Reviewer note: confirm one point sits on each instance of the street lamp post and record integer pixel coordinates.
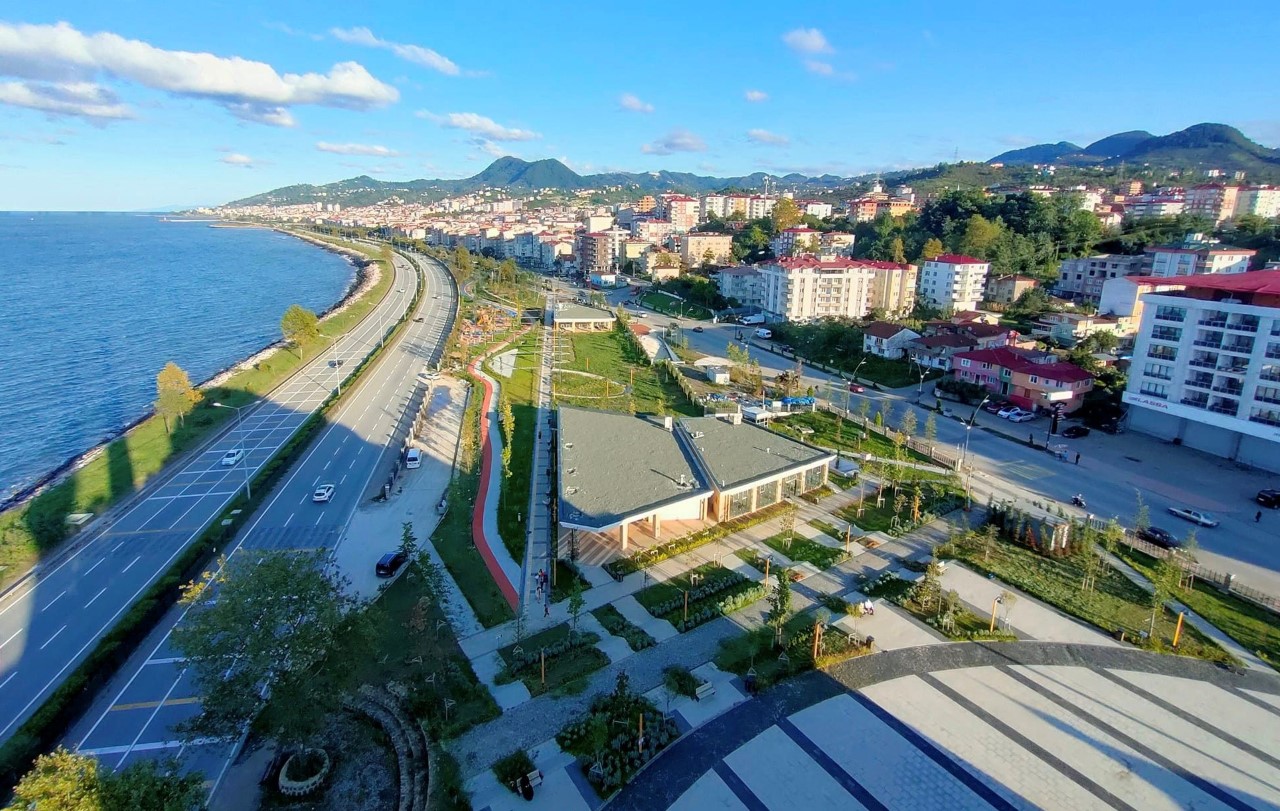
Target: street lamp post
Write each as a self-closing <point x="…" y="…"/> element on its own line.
<point x="337" y="362"/>
<point x="239" y="425"/>
<point x="968" y="429"/>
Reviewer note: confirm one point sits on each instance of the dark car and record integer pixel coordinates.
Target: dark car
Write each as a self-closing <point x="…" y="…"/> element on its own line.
<point x="992" y="408"/>
<point x="697" y="329"/>
<point x="1268" y="498"/>
<point x="1075" y="432"/>
<point x="1159" y="537"/>
<point x="389" y="564"/>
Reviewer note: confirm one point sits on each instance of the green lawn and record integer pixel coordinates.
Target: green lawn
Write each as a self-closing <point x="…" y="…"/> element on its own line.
<point x="1253" y="626"/>
<point x="830" y="530"/>
<point x="833" y="431"/>
<point x="611" y="355"/>
<point x="513" y="507"/>
<point x="127" y="463"/>
<point x="935" y="501"/>
<point x="669" y="305"/>
<point x="1115" y="601"/>
<point x="566" y="667"/>
<point x="452" y="538"/>
<point x="804" y="549"/>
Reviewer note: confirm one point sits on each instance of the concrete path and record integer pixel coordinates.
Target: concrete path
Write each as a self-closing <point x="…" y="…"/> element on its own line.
<point x="537" y="555"/>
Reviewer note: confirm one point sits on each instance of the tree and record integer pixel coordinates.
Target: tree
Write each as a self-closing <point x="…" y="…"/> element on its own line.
<point x="68" y="781"/>
<point x="785" y="214"/>
<point x="576" y="602"/>
<point x="788" y="527"/>
<point x="980" y="234"/>
<point x="408" y="541"/>
<point x="1142" y="514"/>
<point x="931" y="427"/>
<point x="908" y="424"/>
<point x="275" y="616"/>
<point x="932" y="249"/>
<point x="897" y="251"/>
<point x="864" y="410"/>
<point x="779" y="604"/>
<point x="928" y="591"/>
<point x="299" y="326"/>
<point x="175" y="396"/>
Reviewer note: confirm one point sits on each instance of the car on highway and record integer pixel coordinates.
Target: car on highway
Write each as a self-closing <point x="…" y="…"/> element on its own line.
<point x="1159" y="537"/>
<point x="857" y="389"/>
<point x="1022" y="416"/>
<point x="1204" y="519"/>
<point x="993" y="408"/>
<point x="1008" y="411"/>
<point x="1268" y="498"/>
<point x="1075" y="432"/>
<point x="399" y="289"/>
<point x="323" y="494"/>
<point x="389" y="564"/>
<point x="698" y="329"/>
<point x="232" y="456"/>
<point x="437" y="295"/>
<point x="418" y="320"/>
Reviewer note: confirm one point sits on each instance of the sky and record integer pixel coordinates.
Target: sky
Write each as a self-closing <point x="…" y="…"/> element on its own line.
<point x="143" y="105"/>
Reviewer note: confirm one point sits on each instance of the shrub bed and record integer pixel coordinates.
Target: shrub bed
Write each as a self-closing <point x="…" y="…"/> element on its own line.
<point x="511" y="768"/>
<point x="680" y="681"/>
<point x="798" y="548"/>
<point x="618" y="625"/>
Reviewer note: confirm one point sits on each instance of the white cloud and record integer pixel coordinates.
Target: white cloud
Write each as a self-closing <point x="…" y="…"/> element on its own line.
<point x="482" y="126"/>
<point x="250" y="90"/>
<point x="236" y="159"/>
<point x="807" y="40"/>
<point x="631" y="102"/>
<point x="818" y="67"/>
<point x="493" y="150"/>
<point x="86" y="100"/>
<point x="370" y="150"/>
<point x="416" y="54"/>
<point x="766" y="137"/>
<point x="678" y="140"/>
<point x="756" y="95"/>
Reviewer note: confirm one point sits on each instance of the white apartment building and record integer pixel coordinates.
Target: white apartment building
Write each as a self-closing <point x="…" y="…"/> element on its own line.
<point x="758" y="207"/>
<point x="953" y="282"/>
<point x="792" y="241"/>
<point x="1195" y="255"/>
<point x="696" y="245"/>
<point x="1082" y="278"/>
<point x="743" y="284"/>
<point x="683" y="212"/>
<point x="1264" y="201"/>
<point x="714" y="204"/>
<point x="1153" y="205"/>
<point x="807" y="288"/>
<point x="1206" y="366"/>
<point x="815" y="208"/>
<point x="1213" y="201"/>
<point x="893" y="288"/>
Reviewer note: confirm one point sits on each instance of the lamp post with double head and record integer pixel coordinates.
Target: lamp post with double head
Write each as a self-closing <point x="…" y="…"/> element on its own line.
<point x="964" y="457"/>
<point x="239" y="426"/>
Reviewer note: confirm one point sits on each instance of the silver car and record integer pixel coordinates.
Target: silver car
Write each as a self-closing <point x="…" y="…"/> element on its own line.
<point x="1204" y="519"/>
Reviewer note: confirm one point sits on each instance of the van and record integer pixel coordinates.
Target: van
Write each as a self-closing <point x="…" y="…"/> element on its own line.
<point x="413" y="459"/>
<point x="763" y="333"/>
<point x="758" y="318"/>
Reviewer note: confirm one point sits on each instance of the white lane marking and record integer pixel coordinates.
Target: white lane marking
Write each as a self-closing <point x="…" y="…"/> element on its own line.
<point x="10" y="639"/>
<point x="343" y="480"/>
<point x="290" y="518"/>
<point x="55" y="636"/>
<point x="166" y="660"/>
<point x="319" y="518"/>
<point x="117" y="549"/>
<point x="94" y="566"/>
<point x="6" y="681"/>
<point x="96" y="596"/>
<point x="130" y="566"/>
<point x="54" y="600"/>
<point x="326" y="464"/>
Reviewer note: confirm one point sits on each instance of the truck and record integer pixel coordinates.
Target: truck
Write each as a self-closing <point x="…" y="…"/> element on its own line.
<point x="753" y="319"/>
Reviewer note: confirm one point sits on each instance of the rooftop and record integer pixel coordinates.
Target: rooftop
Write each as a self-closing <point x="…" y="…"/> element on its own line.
<point x="1042" y="364"/>
<point x="834" y="264"/>
<point x="958" y="259"/>
<point x="615" y="467"/>
<point x="882" y="329"/>
<point x="1255" y="281"/>
<point x="739" y="454"/>
<point x="580" y="312"/>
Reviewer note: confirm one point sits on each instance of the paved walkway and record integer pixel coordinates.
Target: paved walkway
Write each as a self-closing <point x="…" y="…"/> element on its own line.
<point x="977" y="726"/>
<point x="538" y="539"/>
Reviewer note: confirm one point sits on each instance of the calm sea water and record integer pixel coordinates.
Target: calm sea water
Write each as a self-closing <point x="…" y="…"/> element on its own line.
<point x="93" y="305"/>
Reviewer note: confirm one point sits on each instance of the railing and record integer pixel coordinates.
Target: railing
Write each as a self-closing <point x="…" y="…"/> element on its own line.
<point x="1229" y="410"/>
<point x="1212" y="322"/>
<point x="1264" y="399"/>
<point x="1211" y="344"/>
<point x="1191" y="401"/>
<point x="1244" y="326"/>
<point x="1203" y="364"/>
<point x="1273" y="353"/>
<point x="1177" y="317"/>
<point x="1164" y="396"/>
<point x="1265" y="420"/>
<point x="1232" y="370"/>
<point x="1273" y="377"/>
<point x="1233" y="391"/>
<point x="1200" y="384"/>
<point x="1239" y="349"/>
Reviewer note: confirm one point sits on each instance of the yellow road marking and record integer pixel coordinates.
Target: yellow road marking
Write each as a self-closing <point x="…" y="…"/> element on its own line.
<point x="143" y="705"/>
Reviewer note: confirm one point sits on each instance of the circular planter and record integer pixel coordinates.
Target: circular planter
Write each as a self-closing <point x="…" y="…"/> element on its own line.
<point x="299" y="788"/>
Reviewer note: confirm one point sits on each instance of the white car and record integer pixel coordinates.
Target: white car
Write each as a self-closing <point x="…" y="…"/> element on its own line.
<point x="232" y="456"/>
<point x="1006" y="413"/>
<point x="1022" y="416"/>
<point x="323" y="493"/>
<point x="1204" y="519"/>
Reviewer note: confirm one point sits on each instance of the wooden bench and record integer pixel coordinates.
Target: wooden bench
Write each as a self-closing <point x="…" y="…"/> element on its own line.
<point x="705" y="690"/>
<point x="534" y="777"/>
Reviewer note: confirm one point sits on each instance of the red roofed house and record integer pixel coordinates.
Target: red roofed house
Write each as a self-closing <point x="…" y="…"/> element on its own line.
<point x="886" y="340"/>
<point x="953" y="282"/>
<point x="1027" y="378"/>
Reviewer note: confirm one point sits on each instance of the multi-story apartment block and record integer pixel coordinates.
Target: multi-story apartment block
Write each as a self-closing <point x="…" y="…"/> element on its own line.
<point x="1082" y="278"/>
<point x="737" y="206"/>
<point x="807" y="288"/>
<point x="1154" y="205"/>
<point x="1195" y="255"/>
<point x="758" y="207"/>
<point x="862" y="209"/>
<point x="651" y="230"/>
<point x="683" y="212"/>
<point x="894" y="207"/>
<point x="893" y="287"/>
<point x="1008" y="289"/>
<point x="593" y="253"/>
<point x="1213" y="201"/>
<point x="597" y="222"/>
<point x="953" y="282"/>
<point x="696" y="246"/>
<point x="713" y="206"/>
<point x="815" y="208"/>
<point x="742" y="284"/>
<point x="1206" y="366"/>
<point x="645" y="204"/>
<point x="1262" y="201"/>
<point x="792" y="241"/>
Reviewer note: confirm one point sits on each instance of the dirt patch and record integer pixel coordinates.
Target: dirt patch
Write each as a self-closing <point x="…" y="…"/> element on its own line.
<point x="363" y="777"/>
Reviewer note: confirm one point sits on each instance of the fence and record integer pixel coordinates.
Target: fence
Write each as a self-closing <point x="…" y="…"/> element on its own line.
<point x="1225" y="581"/>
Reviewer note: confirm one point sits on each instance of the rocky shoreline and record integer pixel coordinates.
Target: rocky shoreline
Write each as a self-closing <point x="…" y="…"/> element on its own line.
<point x="367" y="275"/>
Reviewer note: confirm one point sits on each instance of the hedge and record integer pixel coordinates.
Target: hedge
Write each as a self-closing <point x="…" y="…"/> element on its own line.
<point x="659" y="552"/>
<point x="49" y="724"/>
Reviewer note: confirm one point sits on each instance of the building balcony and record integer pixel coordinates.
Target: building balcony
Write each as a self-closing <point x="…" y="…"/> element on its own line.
<point x="1201" y="364"/>
<point x="1261" y="399"/>
<point x="1199" y="383"/>
<point x="1237" y="370"/>
<point x="1266" y="418"/>
<point x="1244" y="326"/>
<point x="1210" y="344"/>
<point x="1175" y="317"/>
<point x="1273" y="377"/>
<point x="1157" y="376"/>
<point x="1162" y="353"/>
<point x="1273" y="353"/>
<point x="1212" y="322"/>
<point x="1195" y="402"/>
<point x="1234" y="391"/>
<point x="1221" y="408"/>
<point x="1238" y="348"/>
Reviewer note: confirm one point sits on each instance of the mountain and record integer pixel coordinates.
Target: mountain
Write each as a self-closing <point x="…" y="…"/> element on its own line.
<point x="1203" y="146"/>
<point x="514" y="173"/>
<point x="1040" y="153"/>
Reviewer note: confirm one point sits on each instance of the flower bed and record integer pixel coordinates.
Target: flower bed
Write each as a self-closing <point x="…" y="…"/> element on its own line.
<point x="659" y="552"/>
<point x="720" y="592"/>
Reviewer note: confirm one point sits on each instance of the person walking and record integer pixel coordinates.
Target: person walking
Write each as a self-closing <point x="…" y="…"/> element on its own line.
<point x="1077" y="458"/>
<point x="1257" y="517"/>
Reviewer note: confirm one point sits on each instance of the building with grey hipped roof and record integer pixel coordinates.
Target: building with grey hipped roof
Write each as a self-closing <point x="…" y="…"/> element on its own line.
<point x="567" y="316"/>
<point x="618" y="469"/>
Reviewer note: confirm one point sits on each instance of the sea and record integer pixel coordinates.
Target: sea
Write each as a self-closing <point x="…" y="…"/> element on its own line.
<point x="92" y="306"/>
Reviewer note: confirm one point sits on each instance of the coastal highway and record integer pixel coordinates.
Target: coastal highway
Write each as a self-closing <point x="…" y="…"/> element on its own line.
<point x="49" y="623"/>
<point x="136" y="715"/>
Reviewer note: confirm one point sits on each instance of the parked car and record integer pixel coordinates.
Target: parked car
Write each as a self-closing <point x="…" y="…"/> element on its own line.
<point x="857" y="389"/>
<point x="389" y="564"/>
<point x="1204" y="519"/>
<point x="697" y="329"/>
<point x="1268" y="498"/>
<point x="232" y="456"/>
<point x="1075" y="432"/>
<point x="1008" y="411"/>
<point x="323" y="493"/>
<point x="1159" y="537"/>
<point x="1022" y="416"/>
<point x="992" y="408"/>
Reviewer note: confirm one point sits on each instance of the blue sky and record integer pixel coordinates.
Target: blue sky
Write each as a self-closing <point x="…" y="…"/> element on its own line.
<point x="136" y="105"/>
